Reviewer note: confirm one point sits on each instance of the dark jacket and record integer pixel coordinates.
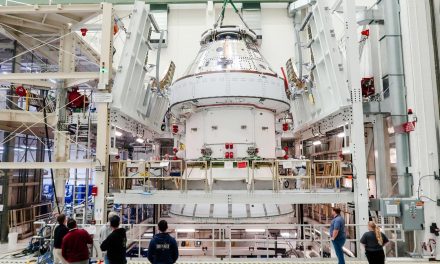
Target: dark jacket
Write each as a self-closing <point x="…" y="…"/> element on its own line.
<point x="116" y="246"/>
<point x="58" y="235"/>
<point x="74" y="246"/>
<point x="163" y="249"/>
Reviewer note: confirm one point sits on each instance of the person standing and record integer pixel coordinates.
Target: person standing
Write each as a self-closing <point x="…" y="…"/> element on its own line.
<point x="74" y="246"/>
<point x="163" y="248"/>
<point x="116" y="243"/>
<point x="60" y="231"/>
<point x="104" y="232"/>
<point x="337" y="234"/>
<point x="374" y="241"/>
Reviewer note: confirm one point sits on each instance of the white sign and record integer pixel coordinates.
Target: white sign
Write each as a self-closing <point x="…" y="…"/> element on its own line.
<point x="229" y="165"/>
<point x="1" y="207"/>
<point x="102" y="97"/>
<point x="392" y="209"/>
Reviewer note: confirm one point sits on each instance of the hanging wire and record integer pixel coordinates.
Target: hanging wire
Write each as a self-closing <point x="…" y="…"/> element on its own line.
<point x="221" y="16"/>
<point x="38" y="121"/>
<point x="47" y="43"/>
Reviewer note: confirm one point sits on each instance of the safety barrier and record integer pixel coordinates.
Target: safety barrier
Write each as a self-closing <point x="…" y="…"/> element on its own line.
<point x="146" y="175"/>
<point x="213" y="241"/>
<point x="275" y="175"/>
<point x="297" y="172"/>
<point x="327" y="173"/>
<point x="28" y="215"/>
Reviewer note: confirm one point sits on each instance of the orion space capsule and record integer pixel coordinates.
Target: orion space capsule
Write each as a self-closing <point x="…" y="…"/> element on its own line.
<point x="227" y="101"/>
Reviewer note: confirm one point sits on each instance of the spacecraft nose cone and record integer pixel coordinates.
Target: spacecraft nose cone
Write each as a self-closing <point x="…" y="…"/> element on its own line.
<point x="231" y="49"/>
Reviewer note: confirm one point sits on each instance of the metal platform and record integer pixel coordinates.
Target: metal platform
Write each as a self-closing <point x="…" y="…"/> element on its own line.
<point x="233" y="196"/>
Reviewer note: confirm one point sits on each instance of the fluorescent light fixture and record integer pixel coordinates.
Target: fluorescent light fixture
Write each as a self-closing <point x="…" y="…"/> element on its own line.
<point x="341" y="135"/>
<point x="140" y="140"/>
<point x="185" y="230"/>
<point x="255" y="230"/>
<point x="118" y="133"/>
<point x="285" y="234"/>
<point x="147" y="235"/>
<point x="18" y="149"/>
<point x="316" y="143"/>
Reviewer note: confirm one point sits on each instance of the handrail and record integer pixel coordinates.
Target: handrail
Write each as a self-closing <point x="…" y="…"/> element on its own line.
<point x="209" y="235"/>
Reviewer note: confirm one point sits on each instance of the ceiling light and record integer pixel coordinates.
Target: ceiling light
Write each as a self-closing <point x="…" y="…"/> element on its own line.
<point x="346" y="150"/>
<point x="186" y="230"/>
<point x="255" y="230"/>
<point x="341" y="135"/>
<point x="317" y="142"/>
<point x="147" y="235"/>
<point x="118" y="133"/>
<point x="140" y="140"/>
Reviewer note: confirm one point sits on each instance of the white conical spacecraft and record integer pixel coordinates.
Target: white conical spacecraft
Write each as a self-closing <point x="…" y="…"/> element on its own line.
<point x="227" y="102"/>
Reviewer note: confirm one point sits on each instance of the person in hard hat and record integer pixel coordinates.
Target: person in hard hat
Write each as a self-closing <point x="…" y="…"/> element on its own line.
<point x="163" y="248"/>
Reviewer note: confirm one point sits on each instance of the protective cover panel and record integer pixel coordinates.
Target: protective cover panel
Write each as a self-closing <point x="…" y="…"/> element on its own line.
<point x="132" y="93"/>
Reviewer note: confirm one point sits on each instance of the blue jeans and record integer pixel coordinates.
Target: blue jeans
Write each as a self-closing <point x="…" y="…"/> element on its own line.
<point x="338" y="244"/>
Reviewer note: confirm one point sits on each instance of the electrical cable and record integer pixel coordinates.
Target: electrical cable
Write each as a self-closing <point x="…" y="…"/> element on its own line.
<point x="46" y="129"/>
<point x="418" y="188"/>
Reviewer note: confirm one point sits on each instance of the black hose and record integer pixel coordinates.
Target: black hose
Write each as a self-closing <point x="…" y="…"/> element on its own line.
<point x="49" y="151"/>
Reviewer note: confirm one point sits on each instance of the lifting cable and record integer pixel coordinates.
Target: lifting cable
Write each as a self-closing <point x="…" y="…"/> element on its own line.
<point x="49" y="151"/>
<point x="222" y="14"/>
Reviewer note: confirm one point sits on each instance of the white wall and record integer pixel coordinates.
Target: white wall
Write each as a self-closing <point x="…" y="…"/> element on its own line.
<point x="186" y="23"/>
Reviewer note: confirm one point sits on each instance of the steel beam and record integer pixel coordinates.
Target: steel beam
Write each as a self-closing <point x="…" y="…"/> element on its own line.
<point x="103" y="113"/>
<point x="49" y="75"/>
<point x="38" y="7"/>
<point x="63" y="3"/>
<point x="357" y="144"/>
<point x="47" y="165"/>
<point x="28" y="118"/>
<point x="37" y="83"/>
<point x="28" y="24"/>
<point x="231" y="197"/>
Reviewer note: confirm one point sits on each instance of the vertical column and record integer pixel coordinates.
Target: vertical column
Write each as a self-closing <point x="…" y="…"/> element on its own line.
<point x="103" y="113"/>
<point x="61" y="149"/>
<point x="382" y="158"/>
<point x="357" y="121"/>
<point x="397" y="90"/>
<point x="418" y="54"/>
